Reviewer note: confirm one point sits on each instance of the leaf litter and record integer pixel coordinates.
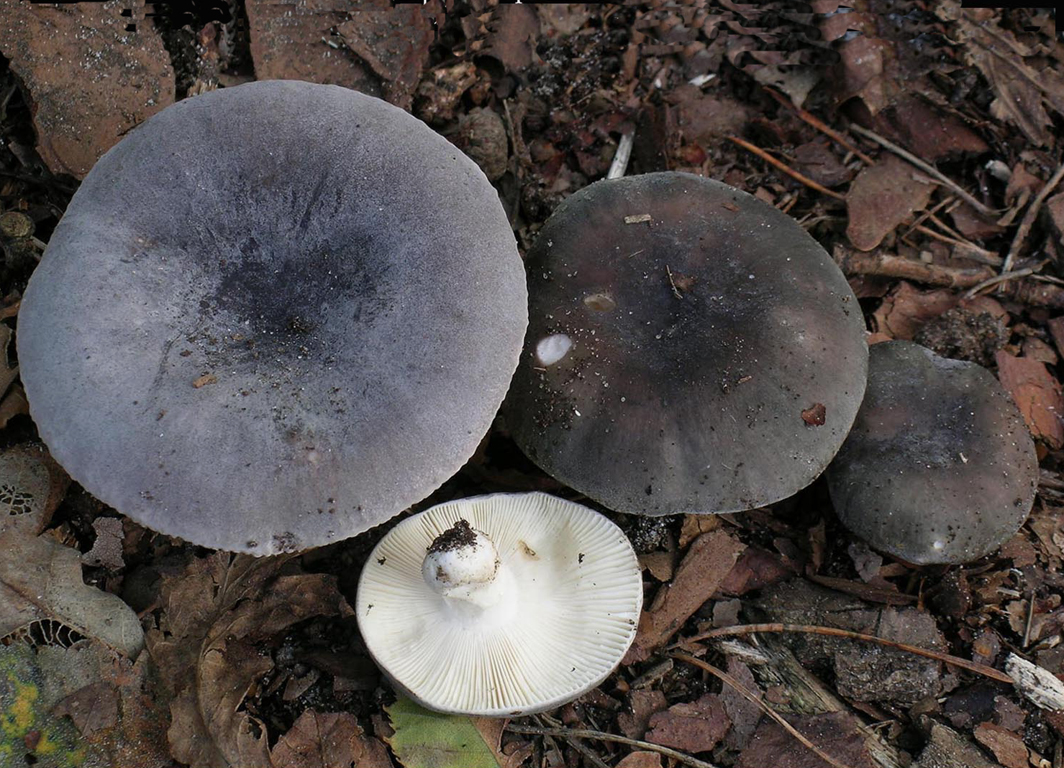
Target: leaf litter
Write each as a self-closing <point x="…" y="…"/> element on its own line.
<point x="964" y="102"/>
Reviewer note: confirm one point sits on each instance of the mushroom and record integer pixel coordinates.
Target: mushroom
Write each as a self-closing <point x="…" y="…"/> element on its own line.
<point x="690" y="349"/>
<point x="273" y="316"/>
<point x="500" y="605"/>
<point x="939" y="467"/>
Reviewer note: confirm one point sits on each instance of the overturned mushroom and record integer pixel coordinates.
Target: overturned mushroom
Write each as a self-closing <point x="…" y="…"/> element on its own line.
<point x="939" y="467"/>
<point x="500" y="605"/>
<point x="690" y="349"/>
<point x="273" y="316"/>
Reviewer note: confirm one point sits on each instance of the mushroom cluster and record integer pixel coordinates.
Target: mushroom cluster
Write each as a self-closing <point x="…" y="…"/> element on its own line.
<point x="500" y="605"/>
<point x="690" y="349"/>
<point x="272" y="317"/>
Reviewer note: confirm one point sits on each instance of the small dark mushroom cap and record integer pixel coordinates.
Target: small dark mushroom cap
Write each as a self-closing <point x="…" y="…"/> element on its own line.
<point x="690" y="349"/>
<point x="273" y="316"/>
<point x="939" y="467"/>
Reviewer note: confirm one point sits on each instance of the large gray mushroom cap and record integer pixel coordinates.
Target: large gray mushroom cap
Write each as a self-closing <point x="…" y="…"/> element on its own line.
<point x="939" y="467"/>
<point x="273" y="316"/>
<point x="690" y="349"/>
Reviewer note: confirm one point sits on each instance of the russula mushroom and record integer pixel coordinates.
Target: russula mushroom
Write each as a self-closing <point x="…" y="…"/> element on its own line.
<point x="273" y="316"/>
<point x="690" y="349"/>
<point x="939" y="467"/>
<point x="500" y="605"/>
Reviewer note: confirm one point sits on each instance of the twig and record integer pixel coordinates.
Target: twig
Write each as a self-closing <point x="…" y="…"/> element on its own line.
<point x="945" y="658"/>
<point x="886" y="265"/>
<point x="575" y="743"/>
<point x="924" y="166"/>
<point x="1030" y="621"/>
<point x="997" y="279"/>
<point x="928" y="213"/>
<point x="675" y="290"/>
<point x="974" y="252"/>
<point x="620" y="158"/>
<point x="583" y="733"/>
<point x="785" y="168"/>
<point x="817" y="123"/>
<point x="738" y="687"/>
<point x="1029" y="217"/>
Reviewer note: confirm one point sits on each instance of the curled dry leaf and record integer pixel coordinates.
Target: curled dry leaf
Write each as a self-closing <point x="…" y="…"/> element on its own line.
<point x="906" y="308"/>
<point x="214" y="616"/>
<point x="41" y="580"/>
<point x="695" y="726"/>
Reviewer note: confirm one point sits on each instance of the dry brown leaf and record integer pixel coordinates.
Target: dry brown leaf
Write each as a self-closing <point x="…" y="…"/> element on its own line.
<point x="835" y="734"/>
<point x="1038" y="395"/>
<point x="88" y="79"/>
<point x="640" y="760"/>
<point x="32" y="485"/>
<point x="331" y="740"/>
<point x="290" y="41"/>
<point x="107" y="548"/>
<point x="697" y="726"/>
<point x="711" y="556"/>
<point x="948" y="749"/>
<point x="882" y="197"/>
<point x="695" y="525"/>
<point x="642" y="705"/>
<point x="393" y="41"/>
<point x="214" y="615"/>
<point x="906" y="308"/>
<point x="14" y="404"/>
<point x="8" y="372"/>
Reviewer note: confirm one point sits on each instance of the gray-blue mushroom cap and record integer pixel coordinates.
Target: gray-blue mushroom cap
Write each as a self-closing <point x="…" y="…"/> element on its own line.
<point x="273" y="316"/>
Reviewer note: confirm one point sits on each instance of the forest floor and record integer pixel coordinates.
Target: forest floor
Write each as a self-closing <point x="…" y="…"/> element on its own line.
<point x="918" y="142"/>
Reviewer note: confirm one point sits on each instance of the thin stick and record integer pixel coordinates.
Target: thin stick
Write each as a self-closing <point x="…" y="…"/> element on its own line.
<point x="945" y="658"/>
<point x="620" y="158"/>
<point x="737" y="686"/>
<point x="974" y="252"/>
<point x="583" y="733"/>
<point x="575" y="743"/>
<point x="785" y="168"/>
<point x="924" y="166"/>
<point x="887" y="265"/>
<point x="1029" y="217"/>
<point x="929" y="212"/>
<point x="817" y="123"/>
<point x="997" y="279"/>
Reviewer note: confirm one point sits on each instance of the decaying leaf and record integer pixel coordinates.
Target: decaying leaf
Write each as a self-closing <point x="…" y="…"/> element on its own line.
<point x="31" y="487"/>
<point x="215" y="614"/>
<point x="393" y="41"/>
<point x="80" y="706"/>
<point x="695" y="726"/>
<point x="835" y="734"/>
<point x="332" y="740"/>
<point x="424" y="739"/>
<point x="882" y="197"/>
<point x="701" y="572"/>
<point x="1038" y="395"/>
<point x="40" y="579"/>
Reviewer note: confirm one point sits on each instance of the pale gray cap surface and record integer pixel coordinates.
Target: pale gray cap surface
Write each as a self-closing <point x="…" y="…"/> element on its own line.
<point x="684" y="341"/>
<point x="939" y="467"/>
<point x="273" y="316"/>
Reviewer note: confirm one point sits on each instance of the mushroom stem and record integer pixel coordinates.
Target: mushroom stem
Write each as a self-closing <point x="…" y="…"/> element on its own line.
<point x="462" y="563"/>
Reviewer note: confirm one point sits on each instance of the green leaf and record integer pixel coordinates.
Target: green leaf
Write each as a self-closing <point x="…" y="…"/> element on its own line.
<point x="425" y="739"/>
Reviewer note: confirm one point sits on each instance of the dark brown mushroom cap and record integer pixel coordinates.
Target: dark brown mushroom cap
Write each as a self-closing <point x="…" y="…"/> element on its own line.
<point x="712" y="356"/>
<point x="273" y="316"/>
<point x="939" y="467"/>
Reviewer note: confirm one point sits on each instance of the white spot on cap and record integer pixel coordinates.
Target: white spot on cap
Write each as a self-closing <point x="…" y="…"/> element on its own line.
<point x="553" y="348"/>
